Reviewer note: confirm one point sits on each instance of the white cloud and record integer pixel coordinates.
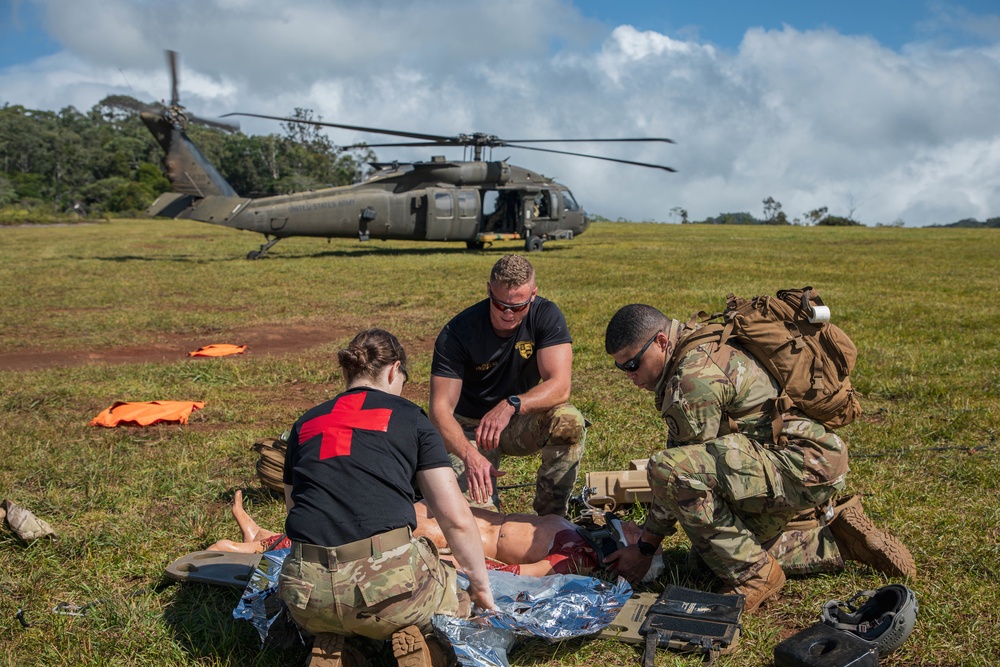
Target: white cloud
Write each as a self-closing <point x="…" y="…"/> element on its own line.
<point x="811" y="118"/>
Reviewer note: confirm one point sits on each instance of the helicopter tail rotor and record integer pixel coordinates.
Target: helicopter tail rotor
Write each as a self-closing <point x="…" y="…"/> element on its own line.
<point x="173" y="112"/>
<point x="172" y="64"/>
<point x="188" y="171"/>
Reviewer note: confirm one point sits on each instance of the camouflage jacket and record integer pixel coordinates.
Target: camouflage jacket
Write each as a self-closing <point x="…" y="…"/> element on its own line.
<point x="705" y="398"/>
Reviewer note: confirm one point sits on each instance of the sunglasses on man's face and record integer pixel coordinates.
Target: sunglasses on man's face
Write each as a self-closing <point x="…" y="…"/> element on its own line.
<point x="632" y="365"/>
<point x="512" y="307"/>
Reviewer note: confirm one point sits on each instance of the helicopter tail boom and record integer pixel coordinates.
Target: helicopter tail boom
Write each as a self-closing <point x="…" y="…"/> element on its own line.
<point x="214" y="208"/>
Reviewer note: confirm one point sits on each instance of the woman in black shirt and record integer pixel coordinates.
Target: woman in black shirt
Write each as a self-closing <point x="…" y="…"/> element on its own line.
<point x="351" y="472"/>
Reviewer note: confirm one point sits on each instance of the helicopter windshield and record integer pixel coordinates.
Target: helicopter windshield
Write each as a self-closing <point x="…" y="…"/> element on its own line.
<point x="569" y="203"/>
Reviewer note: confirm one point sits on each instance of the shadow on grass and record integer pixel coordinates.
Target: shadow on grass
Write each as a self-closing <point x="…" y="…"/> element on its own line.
<point x="158" y="258"/>
<point x="253" y="494"/>
<point x="201" y="618"/>
<point x="359" y="252"/>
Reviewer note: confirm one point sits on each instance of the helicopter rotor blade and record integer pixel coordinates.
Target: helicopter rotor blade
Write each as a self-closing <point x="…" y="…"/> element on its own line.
<point x="126" y="103"/>
<point x="595" y="157"/>
<point x="447" y="141"/>
<point x="569" y="141"/>
<point x="172" y="64"/>
<point x="397" y="145"/>
<point x="226" y="125"/>
<point x="478" y="140"/>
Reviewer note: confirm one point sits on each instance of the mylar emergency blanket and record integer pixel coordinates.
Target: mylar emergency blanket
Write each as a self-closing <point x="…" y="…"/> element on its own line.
<point x="145" y="414"/>
<point x="259" y="603"/>
<point x="219" y="350"/>
<point x="555" y="607"/>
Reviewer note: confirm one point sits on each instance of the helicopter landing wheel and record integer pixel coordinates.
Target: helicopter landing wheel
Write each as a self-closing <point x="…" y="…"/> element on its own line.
<point x="475" y="245"/>
<point x="533" y="244"/>
<point x="257" y="254"/>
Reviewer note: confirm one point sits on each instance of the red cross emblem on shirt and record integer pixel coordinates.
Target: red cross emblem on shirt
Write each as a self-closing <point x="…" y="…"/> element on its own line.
<point x="338" y="426"/>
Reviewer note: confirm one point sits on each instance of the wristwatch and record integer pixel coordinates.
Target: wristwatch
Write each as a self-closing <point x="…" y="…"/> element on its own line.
<point x="516" y="402"/>
<point x="645" y="548"/>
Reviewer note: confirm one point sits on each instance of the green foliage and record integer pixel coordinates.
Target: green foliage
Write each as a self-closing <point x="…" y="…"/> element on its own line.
<point x="731" y="219"/>
<point x="30" y="212"/>
<point x="8" y="193"/>
<point x="838" y="221"/>
<point x="109" y="160"/>
<point x="28" y="185"/>
<point x="972" y="223"/>
<point x="150" y="176"/>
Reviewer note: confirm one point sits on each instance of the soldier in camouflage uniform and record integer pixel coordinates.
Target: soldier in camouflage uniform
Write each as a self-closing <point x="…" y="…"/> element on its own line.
<point x="738" y="496"/>
<point x="349" y="473"/>
<point x="500" y="382"/>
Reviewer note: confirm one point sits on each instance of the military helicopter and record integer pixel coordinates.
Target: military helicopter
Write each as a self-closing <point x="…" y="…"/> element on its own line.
<point x="476" y="202"/>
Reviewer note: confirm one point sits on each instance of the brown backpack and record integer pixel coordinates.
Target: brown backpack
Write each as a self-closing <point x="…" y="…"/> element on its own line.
<point x="271" y="463"/>
<point x="789" y="334"/>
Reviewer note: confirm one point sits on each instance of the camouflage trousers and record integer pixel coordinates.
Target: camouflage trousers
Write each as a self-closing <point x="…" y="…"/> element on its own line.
<point x="736" y="504"/>
<point x="558" y="435"/>
<point x="372" y="597"/>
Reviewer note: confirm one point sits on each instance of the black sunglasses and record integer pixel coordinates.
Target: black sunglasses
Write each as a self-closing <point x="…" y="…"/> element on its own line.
<point x="512" y="307"/>
<point x="632" y="365"/>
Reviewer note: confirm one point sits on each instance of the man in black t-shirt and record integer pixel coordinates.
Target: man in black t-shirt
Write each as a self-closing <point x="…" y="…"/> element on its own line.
<point x="500" y="382"/>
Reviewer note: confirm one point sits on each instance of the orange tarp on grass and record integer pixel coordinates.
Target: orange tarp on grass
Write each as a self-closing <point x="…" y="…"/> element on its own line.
<point x="221" y="350"/>
<point x="144" y="414"/>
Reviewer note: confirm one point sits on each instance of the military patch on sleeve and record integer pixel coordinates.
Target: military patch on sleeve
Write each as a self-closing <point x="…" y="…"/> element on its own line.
<point x="672" y="424"/>
<point x="525" y="347"/>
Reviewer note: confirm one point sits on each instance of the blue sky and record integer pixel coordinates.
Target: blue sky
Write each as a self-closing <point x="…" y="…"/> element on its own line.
<point x="882" y="110"/>
<point x="23" y="36"/>
<point x="893" y="23"/>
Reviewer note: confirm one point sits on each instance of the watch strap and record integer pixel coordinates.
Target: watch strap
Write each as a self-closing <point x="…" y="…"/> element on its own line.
<point x="645" y="548"/>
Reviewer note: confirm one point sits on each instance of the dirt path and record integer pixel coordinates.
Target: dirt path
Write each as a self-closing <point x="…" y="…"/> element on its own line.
<point x="268" y="339"/>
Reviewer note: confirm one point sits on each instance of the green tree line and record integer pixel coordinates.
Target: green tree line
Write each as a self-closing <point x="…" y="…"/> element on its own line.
<point x="105" y="161"/>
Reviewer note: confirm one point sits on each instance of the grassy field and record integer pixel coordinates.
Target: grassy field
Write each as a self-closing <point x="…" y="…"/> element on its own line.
<point x="93" y="314"/>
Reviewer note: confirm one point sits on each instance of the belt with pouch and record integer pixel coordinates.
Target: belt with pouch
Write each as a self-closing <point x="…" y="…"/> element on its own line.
<point x="369" y="547"/>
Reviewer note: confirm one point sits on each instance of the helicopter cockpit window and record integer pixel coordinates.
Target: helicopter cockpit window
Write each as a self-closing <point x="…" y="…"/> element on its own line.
<point x="568" y="201"/>
<point x="491" y="202"/>
<point x="444" y="206"/>
<point x="542" y="204"/>
<point x="467" y="204"/>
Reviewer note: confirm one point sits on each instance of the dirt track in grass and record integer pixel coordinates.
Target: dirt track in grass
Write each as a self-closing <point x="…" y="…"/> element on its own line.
<point x="267" y="339"/>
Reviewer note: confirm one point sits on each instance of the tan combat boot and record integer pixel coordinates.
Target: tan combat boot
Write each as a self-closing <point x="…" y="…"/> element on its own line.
<point x="766" y="584"/>
<point x="412" y="649"/>
<point x="858" y="539"/>
<point x="328" y="651"/>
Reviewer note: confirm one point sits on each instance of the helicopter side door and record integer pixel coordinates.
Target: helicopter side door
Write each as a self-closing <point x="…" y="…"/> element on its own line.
<point x="501" y="212"/>
<point x="542" y="212"/>
<point x="453" y="214"/>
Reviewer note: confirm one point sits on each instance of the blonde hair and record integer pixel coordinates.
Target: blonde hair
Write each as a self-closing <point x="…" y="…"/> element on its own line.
<point x="512" y="271"/>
